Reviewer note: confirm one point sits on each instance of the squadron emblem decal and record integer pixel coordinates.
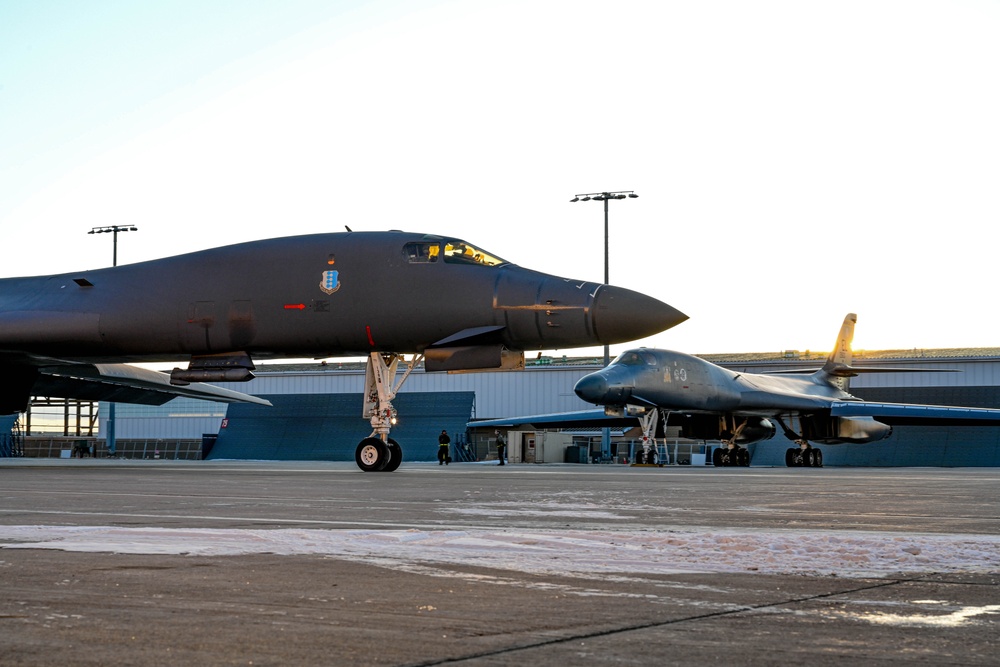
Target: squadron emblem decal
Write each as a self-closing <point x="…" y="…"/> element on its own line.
<point x="331" y="279"/>
<point x="330" y="282"/>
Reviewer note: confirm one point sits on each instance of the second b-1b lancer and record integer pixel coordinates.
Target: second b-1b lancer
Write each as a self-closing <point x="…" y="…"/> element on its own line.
<point x="709" y="402"/>
<point x="382" y="295"/>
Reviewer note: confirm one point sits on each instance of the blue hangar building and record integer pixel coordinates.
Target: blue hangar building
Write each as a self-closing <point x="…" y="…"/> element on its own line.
<point x="316" y="415"/>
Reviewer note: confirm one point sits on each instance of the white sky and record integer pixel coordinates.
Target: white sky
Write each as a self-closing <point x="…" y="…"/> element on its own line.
<point x="795" y="160"/>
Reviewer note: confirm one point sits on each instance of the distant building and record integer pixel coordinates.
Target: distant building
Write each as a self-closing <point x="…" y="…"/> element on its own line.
<point x="316" y="403"/>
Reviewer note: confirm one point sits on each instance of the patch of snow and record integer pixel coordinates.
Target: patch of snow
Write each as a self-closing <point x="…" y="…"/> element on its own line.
<point x="571" y="552"/>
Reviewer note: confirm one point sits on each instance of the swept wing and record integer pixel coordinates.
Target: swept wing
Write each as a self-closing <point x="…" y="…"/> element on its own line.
<point x="120" y="383"/>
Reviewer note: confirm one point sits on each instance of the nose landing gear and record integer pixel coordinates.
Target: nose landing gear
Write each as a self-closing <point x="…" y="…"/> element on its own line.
<point x="374" y="455"/>
<point x="378" y="452"/>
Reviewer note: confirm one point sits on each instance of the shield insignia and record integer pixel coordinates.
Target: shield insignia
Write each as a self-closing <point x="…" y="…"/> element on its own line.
<point x="330" y="282"/>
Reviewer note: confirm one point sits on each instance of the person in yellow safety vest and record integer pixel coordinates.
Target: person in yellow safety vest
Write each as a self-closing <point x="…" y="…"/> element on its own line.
<point x="501" y="445"/>
<point x="444" y="448"/>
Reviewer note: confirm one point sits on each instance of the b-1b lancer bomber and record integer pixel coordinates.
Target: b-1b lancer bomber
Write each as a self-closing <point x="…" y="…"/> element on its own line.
<point x="709" y="402"/>
<point x="383" y="295"/>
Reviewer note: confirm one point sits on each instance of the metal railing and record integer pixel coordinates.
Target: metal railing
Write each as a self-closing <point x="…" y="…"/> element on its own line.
<point x="67" y="447"/>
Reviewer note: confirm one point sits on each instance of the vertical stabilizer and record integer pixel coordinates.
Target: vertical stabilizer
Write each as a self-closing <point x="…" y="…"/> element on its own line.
<point x="837" y="369"/>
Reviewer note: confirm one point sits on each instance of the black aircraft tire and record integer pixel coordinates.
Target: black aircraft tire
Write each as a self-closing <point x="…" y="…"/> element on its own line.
<point x="395" y="456"/>
<point x="790" y="457"/>
<point x="809" y="458"/>
<point x="372" y="455"/>
<point x="743" y="457"/>
<point x="717" y="457"/>
<point x="818" y="458"/>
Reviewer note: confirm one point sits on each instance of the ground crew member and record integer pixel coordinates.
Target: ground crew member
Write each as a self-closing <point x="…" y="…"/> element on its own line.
<point x="444" y="445"/>
<point x="501" y="445"/>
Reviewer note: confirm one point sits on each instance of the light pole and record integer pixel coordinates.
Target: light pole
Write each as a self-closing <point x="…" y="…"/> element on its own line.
<point x="605" y="197"/>
<point x="112" y="229"/>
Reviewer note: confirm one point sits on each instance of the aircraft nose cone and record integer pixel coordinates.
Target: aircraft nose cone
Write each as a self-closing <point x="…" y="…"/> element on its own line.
<point x="621" y="315"/>
<point x="592" y="388"/>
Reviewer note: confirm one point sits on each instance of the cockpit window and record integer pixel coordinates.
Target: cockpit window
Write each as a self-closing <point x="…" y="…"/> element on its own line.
<point x="460" y="252"/>
<point x="455" y="252"/>
<point x="636" y="358"/>
<point x="422" y="253"/>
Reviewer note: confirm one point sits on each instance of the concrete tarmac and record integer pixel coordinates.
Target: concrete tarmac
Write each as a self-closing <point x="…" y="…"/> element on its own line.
<point x="274" y="563"/>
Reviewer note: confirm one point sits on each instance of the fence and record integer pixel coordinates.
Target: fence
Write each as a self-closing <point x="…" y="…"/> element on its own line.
<point x="66" y="447"/>
<point x="669" y="451"/>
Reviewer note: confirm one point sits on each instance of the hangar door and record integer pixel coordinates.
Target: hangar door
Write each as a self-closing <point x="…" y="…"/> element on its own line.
<point x="328" y="427"/>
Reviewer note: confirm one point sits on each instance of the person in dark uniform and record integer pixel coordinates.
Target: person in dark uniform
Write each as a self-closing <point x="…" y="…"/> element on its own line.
<point x="444" y="446"/>
<point x="501" y="446"/>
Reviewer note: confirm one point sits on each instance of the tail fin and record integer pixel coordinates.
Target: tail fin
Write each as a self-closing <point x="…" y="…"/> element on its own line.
<point x="837" y="370"/>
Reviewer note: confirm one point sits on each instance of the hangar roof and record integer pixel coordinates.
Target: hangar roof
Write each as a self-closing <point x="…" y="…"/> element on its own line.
<point x="791" y="356"/>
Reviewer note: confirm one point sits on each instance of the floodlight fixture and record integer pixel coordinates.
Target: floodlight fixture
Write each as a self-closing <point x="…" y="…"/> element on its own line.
<point x="114" y="229"/>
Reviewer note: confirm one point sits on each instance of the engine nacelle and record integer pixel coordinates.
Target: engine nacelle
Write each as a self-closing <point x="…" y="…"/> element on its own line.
<point x="840" y="430"/>
<point x="713" y="427"/>
<point x="467" y="358"/>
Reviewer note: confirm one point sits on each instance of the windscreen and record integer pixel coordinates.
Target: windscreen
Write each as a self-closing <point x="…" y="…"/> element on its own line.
<point x="455" y="252"/>
<point x="636" y="358"/>
<point x="460" y="252"/>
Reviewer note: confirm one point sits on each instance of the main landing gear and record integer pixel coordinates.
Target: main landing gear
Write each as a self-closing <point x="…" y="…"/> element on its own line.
<point x="731" y="454"/>
<point x="378" y="452"/>
<point x="805" y="455"/>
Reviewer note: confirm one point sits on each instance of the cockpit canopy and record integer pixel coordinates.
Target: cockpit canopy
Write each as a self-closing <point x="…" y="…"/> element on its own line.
<point x="640" y="357"/>
<point x="452" y="252"/>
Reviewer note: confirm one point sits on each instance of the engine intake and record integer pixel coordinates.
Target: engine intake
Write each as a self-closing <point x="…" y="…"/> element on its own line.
<point x="712" y="427"/>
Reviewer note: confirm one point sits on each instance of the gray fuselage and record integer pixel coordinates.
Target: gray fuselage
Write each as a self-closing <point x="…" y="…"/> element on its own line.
<point x="316" y="296"/>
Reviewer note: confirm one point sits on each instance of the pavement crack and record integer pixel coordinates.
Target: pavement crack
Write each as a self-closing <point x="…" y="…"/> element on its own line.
<point x="660" y="624"/>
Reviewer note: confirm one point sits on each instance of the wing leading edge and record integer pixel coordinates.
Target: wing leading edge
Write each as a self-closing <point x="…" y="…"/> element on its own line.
<point x="579" y="419"/>
<point x="906" y="414"/>
<point x="122" y="383"/>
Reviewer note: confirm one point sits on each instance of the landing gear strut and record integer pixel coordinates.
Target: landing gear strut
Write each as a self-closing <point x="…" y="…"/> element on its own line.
<point x="648" y="455"/>
<point x="378" y="452"/>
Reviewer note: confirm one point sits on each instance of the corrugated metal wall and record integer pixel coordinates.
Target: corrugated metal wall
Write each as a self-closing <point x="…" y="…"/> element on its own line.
<point x="532" y="391"/>
<point x="501" y="394"/>
<point x="327" y="427"/>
